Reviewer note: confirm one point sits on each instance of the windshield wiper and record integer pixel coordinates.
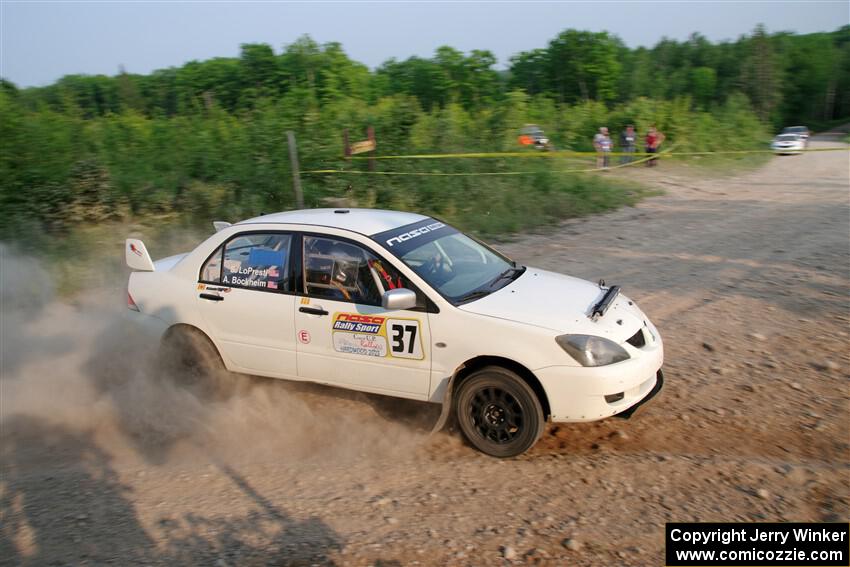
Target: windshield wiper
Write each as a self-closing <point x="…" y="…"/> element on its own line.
<point x="477" y="294"/>
<point x="507" y="273"/>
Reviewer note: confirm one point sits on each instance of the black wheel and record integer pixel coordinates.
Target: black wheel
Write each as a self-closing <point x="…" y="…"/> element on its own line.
<point x="188" y="359"/>
<point x="498" y="412"/>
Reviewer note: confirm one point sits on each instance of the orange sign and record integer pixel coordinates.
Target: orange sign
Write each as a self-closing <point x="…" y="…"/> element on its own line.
<point x="364" y="146"/>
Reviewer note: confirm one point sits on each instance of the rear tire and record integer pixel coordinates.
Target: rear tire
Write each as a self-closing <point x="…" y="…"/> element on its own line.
<point x="189" y="360"/>
<point x="498" y="412"/>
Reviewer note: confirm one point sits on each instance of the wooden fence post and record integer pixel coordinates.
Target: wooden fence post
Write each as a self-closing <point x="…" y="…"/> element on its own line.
<point x="296" y="176"/>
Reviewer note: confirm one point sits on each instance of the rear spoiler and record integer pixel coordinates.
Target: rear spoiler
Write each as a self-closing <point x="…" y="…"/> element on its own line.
<point x="220" y="225"/>
<point x="137" y="256"/>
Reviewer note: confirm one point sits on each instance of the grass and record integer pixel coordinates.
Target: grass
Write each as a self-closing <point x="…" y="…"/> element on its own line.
<point x="495" y="205"/>
<point x="90" y="256"/>
<point x="716" y="166"/>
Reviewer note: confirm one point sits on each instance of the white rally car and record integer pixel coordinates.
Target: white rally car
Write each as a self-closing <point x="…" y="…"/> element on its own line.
<point x="404" y="305"/>
<point x="788" y="144"/>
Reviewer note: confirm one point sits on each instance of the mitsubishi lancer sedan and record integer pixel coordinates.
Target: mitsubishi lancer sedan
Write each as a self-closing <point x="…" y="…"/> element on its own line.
<point x="403" y="305"/>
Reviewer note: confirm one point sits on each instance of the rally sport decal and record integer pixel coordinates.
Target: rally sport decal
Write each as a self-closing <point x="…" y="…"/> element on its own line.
<point x="371" y="335"/>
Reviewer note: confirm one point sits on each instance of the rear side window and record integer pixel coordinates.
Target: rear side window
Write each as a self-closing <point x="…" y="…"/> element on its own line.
<point x="253" y="261"/>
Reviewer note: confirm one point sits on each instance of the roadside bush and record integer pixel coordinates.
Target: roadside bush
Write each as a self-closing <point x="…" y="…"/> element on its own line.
<point x="204" y="161"/>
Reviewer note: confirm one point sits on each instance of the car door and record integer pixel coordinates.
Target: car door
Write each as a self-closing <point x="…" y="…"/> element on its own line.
<point x="344" y="335"/>
<point x="246" y="295"/>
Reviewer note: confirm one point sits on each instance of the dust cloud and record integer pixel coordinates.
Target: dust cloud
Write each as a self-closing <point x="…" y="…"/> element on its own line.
<point x="77" y="364"/>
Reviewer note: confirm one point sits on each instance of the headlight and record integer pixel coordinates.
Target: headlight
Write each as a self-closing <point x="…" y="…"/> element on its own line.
<point x="592" y="351"/>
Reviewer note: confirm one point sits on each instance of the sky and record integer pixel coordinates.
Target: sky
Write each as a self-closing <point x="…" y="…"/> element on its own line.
<point x="40" y="41"/>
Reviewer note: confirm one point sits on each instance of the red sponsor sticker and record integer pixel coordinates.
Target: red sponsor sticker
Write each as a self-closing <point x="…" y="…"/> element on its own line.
<point x="135" y="250"/>
<point x="304" y="336"/>
<point x="356" y="318"/>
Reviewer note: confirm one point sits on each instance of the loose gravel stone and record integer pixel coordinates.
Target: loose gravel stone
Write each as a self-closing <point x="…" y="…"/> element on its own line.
<point x="825" y="366"/>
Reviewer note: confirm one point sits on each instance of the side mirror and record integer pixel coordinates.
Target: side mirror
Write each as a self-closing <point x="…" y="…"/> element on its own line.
<point x="398" y="299"/>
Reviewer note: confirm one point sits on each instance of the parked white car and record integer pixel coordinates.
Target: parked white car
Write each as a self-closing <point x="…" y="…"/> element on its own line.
<point x="404" y="305"/>
<point x="788" y="144"/>
<point x="801" y="131"/>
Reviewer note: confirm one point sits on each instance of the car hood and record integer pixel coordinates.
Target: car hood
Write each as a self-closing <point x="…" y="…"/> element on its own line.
<point x="560" y="303"/>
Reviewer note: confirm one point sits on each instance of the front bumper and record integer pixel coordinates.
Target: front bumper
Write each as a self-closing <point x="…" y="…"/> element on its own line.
<point x="659" y="384"/>
<point x="592" y="393"/>
<point x="787" y="149"/>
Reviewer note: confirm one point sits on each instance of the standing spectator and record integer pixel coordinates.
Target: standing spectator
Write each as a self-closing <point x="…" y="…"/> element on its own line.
<point x="628" y="141"/>
<point x="653" y="141"/>
<point x="602" y="143"/>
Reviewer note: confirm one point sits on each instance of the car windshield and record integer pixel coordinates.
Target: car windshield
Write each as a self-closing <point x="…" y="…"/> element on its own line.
<point x="458" y="267"/>
<point x="788" y="138"/>
<point x="794" y="129"/>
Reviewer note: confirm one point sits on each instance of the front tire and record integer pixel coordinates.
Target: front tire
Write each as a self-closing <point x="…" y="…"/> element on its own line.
<point x="498" y="412"/>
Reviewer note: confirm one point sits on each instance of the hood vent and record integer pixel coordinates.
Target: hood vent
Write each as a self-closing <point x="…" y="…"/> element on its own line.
<point x="637" y="340"/>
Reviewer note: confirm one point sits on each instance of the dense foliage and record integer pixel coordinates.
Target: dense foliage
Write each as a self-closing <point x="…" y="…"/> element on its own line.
<point x="788" y="78"/>
<point x="208" y="137"/>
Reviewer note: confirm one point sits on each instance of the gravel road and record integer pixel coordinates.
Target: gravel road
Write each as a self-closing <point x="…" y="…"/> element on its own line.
<point x="747" y="277"/>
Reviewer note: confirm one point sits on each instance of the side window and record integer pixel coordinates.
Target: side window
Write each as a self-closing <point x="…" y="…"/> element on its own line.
<point x="338" y="270"/>
<point x="256" y="261"/>
<point x="388" y="277"/>
<point x="343" y="271"/>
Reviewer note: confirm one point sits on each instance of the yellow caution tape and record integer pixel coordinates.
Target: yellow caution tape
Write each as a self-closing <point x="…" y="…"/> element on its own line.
<point x="489" y="173"/>
<point x="647" y="156"/>
<point x="566" y="153"/>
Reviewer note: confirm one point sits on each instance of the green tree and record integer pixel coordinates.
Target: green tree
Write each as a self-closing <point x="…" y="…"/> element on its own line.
<point x="761" y="76"/>
<point x="583" y="66"/>
<point x="703" y="85"/>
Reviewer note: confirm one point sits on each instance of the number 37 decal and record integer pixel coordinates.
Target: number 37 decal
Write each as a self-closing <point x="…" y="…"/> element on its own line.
<point x="404" y="338"/>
